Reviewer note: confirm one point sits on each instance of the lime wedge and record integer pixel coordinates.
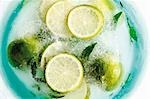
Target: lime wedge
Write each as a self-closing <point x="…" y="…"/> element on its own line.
<point x="64" y="73"/>
<point x="85" y="21"/>
<point x="80" y="93"/>
<point x="56" y="19"/>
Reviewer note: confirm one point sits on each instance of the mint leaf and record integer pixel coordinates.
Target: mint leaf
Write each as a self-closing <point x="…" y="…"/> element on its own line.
<point x="116" y="17"/>
<point x="132" y="31"/>
<point x="87" y="51"/>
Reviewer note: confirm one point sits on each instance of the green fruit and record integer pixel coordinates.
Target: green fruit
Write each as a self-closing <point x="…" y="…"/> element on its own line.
<point x="112" y="73"/>
<point x="18" y="53"/>
<point x="21" y="51"/>
<point x="106" y="70"/>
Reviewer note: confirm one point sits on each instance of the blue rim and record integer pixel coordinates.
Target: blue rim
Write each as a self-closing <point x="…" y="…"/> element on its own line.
<point x="13" y="81"/>
<point x="23" y="92"/>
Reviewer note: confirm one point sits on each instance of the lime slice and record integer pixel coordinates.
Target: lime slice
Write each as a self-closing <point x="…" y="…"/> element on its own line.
<point x="80" y="93"/>
<point x="85" y="21"/>
<point x="45" y="5"/>
<point x="51" y="51"/>
<point x="56" y="19"/>
<point x="64" y="73"/>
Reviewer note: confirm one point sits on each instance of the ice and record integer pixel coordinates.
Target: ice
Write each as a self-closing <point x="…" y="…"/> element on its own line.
<point x="96" y="91"/>
<point x="27" y="22"/>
